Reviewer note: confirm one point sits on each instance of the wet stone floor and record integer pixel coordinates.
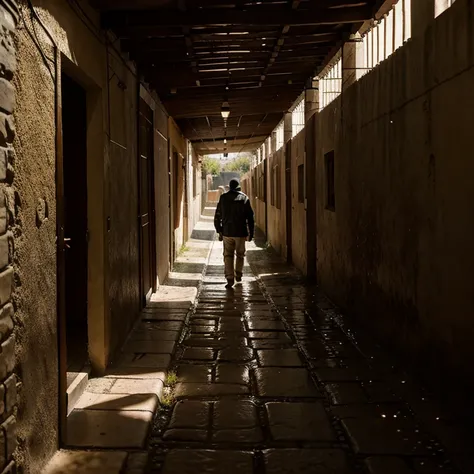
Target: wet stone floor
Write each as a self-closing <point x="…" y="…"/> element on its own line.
<point x="271" y="379"/>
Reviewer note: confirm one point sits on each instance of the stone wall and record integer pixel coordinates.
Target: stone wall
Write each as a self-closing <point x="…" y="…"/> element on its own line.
<point x="10" y="231"/>
<point x="162" y="193"/>
<point x="398" y="251"/>
<point x="276" y="207"/>
<point x="298" y="215"/>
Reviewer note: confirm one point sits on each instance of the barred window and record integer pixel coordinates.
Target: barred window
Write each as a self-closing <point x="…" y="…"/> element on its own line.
<point x="442" y="5"/>
<point x="386" y="36"/>
<point x="297" y="118"/>
<point x="269" y="145"/>
<point x="330" y="83"/>
<point x="280" y="136"/>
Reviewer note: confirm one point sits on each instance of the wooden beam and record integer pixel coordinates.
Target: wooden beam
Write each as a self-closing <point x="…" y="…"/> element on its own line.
<point x="136" y="18"/>
<point x="121" y="5"/>
<point x="230" y="137"/>
<point x="184" y="110"/>
<point x="257" y="92"/>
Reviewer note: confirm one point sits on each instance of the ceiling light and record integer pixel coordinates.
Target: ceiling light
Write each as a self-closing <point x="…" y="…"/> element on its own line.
<point x="225" y="110"/>
<point x="225" y="140"/>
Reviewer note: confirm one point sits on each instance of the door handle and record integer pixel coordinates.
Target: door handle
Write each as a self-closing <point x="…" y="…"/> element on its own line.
<point x="66" y="242"/>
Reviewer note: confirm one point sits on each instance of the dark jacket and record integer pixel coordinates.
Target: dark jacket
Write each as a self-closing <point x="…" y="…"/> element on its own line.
<point x="234" y="215"/>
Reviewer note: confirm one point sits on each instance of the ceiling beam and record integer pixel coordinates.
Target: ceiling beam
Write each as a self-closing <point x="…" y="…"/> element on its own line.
<point x="136" y="18"/>
<point x="229" y="138"/>
<point x="167" y="44"/>
<point x="120" y="5"/>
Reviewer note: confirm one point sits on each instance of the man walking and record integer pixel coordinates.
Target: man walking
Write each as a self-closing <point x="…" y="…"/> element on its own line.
<point x="234" y="223"/>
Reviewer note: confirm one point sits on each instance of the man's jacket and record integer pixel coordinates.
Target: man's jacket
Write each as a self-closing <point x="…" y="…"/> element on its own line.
<point x="234" y="215"/>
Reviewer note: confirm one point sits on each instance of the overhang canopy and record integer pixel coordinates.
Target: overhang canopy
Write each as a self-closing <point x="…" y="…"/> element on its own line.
<point x="256" y="55"/>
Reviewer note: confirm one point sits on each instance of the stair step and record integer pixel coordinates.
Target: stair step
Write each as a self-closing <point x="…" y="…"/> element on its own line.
<point x="76" y="385"/>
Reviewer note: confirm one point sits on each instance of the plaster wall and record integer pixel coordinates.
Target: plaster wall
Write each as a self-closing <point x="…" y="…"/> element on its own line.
<point x="162" y="193"/>
<point x="195" y="191"/>
<point x="398" y="250"/>
<point x="259" y="204"/>
<point x="298" y="215"/>
<point x="122" y="204"/>
<point x="276" y="232"/>
<point x="177" y="142"/>
<point x="112" y="187"/>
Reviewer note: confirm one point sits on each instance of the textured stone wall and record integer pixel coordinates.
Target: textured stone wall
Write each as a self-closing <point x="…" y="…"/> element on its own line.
<point x="9" y="230"/>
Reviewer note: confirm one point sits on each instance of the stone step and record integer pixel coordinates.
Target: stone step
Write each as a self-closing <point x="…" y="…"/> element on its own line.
<point x="76" y="385"/>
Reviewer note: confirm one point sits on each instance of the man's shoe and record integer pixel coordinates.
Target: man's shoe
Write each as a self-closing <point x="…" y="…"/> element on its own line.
<point x="230" y="284"/>
<point x="238" y="279"/>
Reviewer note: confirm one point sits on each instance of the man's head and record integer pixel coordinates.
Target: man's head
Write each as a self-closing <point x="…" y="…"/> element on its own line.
<point x="234" y="184"/>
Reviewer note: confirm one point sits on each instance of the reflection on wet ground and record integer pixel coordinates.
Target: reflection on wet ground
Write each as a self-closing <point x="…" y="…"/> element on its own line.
<point x="271" y="379"/>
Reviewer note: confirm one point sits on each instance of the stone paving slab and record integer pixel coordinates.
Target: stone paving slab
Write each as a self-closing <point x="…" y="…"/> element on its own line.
<point x="190" y="414"/>
<point x="299" y="422"/>
<point x="150" y="347"/>
<point x="108" y="429"/>
<point x="234" y="414"/>
<point x="91" y="462"/>
<point x="285" y="382"/>
<point x="194" y="373"/>
<point x="155" y="335"/>
<point x="386" y="436"/>
<point x="118" y="402"/>
<point x="194" y="390"/>
<point x="208" y="462"/>
<point x="130" y="360"/>
<point x="279" y="358"/>
<point x="233" y="374"/>
<point x="292" y="387"/>
<point x="297" y="461"/>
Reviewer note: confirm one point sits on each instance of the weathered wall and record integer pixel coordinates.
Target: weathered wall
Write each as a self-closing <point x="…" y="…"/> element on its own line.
<point x="162" y="190"/>
<point x="298" y="215"/>
<point x="195" y="191"/>
<point x="121" y="174"/>
<point x="112" y="189"/>
<point x="276" y="232"/>
<point x="177" y="142"/>
<point x="259" y="203"/>
<point x="398" y="251"/>
<point x="10" y="237"/>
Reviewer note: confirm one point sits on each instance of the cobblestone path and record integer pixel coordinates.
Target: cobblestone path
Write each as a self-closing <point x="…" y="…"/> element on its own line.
<point x="272" y="380"/>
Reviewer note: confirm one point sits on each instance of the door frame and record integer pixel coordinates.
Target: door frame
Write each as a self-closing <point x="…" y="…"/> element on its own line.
<point x="145" y="96"/>
<point x="289" y="203"/>
<point x="97" y="301"/>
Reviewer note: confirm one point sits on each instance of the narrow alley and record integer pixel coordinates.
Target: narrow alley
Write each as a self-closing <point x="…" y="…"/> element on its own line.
<point x="145" y="145"/>
<point x="272" y="379"/>
<point x="267" y="378"/>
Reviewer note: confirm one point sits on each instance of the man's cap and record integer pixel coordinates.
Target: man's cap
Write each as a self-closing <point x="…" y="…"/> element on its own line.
<point x="234" y="183"/>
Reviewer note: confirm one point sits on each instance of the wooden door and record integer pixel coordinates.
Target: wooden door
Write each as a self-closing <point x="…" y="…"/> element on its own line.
<point x="289" y="203"/>
<point x="72" y="246"/>
<point x="146" y="203"/>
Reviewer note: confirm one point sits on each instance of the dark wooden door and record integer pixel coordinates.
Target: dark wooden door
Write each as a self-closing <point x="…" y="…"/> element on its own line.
<point x="72" y="241"/>
<point x="146" y="202"/>
<point x="289" y="203"/>
<point x="75" y="219"/>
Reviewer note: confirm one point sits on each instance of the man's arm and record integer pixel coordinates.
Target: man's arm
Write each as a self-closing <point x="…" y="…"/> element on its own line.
<point x="218" y="218"/>
<point x="250" y="218"/>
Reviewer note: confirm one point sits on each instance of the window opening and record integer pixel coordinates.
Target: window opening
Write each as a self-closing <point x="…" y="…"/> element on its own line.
<point x="297" y="118"/>
<point x="330" y="83"/>
<point x="280" y="136"/>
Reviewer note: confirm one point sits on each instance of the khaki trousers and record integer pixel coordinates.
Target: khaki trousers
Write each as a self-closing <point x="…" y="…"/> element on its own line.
<point x="234" y="246"/>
